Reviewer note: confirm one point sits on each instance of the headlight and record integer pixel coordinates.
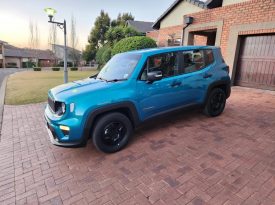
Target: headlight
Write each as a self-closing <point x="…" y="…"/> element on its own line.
<point x="60" y="108"/>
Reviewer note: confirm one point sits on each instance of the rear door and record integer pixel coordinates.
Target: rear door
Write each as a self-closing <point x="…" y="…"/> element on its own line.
<point x="194" y="71"/>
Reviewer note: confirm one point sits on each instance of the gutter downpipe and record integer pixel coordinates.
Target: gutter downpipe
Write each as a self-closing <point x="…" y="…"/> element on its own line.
<point x="188" y="20"/>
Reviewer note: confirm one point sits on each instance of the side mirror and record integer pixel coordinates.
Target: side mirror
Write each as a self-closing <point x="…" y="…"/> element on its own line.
<point x="154" y="76"/>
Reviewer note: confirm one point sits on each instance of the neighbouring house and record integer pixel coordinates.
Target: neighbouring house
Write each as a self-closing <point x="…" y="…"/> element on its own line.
<point x="11" y="56"/>
<point x="74" y="56"/>
<point x="146" y="28"/>
<point x="244" y="29"/>
<point x="2" y="59"/>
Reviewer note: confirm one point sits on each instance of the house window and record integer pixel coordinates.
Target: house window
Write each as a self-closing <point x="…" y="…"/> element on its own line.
<point x="174" y="42"/>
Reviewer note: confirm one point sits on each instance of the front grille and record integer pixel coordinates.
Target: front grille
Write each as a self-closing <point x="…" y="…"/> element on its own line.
<point x="51" y="103"/>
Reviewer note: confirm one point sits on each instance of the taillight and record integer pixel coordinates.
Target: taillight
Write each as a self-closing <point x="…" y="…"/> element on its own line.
<point x="226" y="68"/>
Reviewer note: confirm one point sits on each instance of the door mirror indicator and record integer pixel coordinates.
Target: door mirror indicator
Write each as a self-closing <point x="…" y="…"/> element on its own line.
<point x="154" y="76"/>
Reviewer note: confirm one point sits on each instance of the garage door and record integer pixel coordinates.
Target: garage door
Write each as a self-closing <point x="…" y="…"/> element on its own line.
<point x="256" y="64"/>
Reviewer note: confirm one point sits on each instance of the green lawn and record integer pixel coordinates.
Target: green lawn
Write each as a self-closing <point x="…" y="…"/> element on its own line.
<point x="32" y="87"/>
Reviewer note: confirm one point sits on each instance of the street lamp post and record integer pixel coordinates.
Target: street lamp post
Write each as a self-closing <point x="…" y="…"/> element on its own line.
<point x="51" y="12"/>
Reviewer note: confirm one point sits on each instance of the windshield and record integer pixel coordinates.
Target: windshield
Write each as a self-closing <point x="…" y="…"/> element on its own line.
<point x="120" y="67"/>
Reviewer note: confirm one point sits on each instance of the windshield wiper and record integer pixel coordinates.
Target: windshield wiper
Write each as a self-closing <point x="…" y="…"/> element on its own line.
<point x="116" y="80"/>
<point x="102" y="79"/>
<point x="93" y="76"/>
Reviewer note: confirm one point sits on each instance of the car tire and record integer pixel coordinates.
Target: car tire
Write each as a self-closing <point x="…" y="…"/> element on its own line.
<point x="112" y="132"/>
<point x="215" y="103"/>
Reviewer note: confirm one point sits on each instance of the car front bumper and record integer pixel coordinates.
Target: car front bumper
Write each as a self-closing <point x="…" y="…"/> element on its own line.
<point x="57" y="136"/>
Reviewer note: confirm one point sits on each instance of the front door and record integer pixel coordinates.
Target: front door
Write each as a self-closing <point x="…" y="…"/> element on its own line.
<point x="159" y="96"/>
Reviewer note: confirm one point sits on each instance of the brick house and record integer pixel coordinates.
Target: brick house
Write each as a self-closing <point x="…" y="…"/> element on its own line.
<point x="244" y="29"/>
<point x="11" y="56"/>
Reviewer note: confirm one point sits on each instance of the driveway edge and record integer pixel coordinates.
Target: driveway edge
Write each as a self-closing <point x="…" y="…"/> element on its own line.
<point x="2" y="100"/>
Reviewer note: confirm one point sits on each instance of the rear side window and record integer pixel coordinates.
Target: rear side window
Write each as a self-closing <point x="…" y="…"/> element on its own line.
<point x="209" y="57"/>
<point x="190" y="61"/>
<point x="195" y="60"/>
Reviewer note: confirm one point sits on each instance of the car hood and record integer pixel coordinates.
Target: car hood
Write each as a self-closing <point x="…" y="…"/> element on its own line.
<point x="77" y="87"/>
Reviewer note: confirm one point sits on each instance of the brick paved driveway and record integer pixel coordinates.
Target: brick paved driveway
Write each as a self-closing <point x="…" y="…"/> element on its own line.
<point x="188" y="159"/>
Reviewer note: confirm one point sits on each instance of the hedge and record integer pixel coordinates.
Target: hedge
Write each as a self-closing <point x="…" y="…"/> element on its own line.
<point x="103" y="55"/>
<point x="36" y="68"/>
<point x="133" y="43"/>
<point x="74" y="68"/>
<point x="56" y="68"/>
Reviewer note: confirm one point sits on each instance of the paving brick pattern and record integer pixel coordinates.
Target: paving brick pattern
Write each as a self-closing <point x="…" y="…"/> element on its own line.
<point x="184" y="159"/>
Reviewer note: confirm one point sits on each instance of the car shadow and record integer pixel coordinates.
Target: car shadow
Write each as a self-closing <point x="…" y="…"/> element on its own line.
<point x="179" y="119"/>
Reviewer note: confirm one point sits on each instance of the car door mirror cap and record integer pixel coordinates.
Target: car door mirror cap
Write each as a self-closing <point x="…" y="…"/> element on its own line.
<point x="154" y="76"/>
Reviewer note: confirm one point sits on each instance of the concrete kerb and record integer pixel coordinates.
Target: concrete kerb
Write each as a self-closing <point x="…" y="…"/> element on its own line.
<point x="2" y="101"/>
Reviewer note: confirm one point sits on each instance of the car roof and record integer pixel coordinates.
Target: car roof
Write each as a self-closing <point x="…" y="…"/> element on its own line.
<point x="153" y="51"/>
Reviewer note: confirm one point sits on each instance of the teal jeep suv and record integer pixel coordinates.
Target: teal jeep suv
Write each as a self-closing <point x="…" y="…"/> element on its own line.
<point x="132" y="88"/>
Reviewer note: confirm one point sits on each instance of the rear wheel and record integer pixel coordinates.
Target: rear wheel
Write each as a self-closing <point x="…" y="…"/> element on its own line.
<point x="112" y="132"/>
<point x="215" y="103"/>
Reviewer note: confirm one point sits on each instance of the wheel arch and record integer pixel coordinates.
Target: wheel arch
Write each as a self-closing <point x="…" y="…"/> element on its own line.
<point x="126" y="108"/>
<point x="225" y="85"/>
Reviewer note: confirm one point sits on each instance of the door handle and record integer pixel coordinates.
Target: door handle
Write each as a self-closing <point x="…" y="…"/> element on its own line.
<point x="207" y="75"/>
<point x="176" y="84"/>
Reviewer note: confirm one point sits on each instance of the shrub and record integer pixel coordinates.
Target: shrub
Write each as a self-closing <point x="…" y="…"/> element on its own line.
<point x="133" y="43"/>
<point x="61" y="64"/>
<point x="55" y="68"/>
<point x="103" y="55"/>
<point x="28" y="64"/>
<point x="74" y="68"/>
<point x="36" y="68"/>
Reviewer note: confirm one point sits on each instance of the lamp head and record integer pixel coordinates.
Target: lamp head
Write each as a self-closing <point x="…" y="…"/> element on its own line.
<point x="51" y="12"/>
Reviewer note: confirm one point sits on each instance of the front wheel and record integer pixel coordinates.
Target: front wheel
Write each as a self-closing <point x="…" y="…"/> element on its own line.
<point x="112" y="132"/>
<point x="215" y="103"/>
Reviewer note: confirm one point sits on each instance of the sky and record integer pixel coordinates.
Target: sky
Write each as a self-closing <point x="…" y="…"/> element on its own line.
<point x="15" y="16"/>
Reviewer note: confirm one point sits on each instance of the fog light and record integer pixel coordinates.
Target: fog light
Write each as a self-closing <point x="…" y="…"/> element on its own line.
<point x="65" y="128"/>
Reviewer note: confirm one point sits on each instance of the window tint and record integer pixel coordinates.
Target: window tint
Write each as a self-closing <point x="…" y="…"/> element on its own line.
<point x="209" y="57"/>
<point x="166" y="63"/>
<point x="190" y="61"/>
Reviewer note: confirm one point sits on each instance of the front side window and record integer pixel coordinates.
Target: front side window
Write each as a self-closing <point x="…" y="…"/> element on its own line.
<point x="120" y="67"/>
<point x="166" y="63"/>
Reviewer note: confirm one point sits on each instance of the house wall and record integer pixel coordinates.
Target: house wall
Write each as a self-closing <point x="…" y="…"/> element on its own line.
<point x="153" y="34"/>
<point x="228" y="2"/>
<point x="175" y="17"/>
<point x="233" y="21"/>
<point x="165" y="32"/>
<point x="46" y="63"/>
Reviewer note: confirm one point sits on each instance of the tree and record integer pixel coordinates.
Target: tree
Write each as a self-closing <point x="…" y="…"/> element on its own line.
<point x="89" y="53"/>
<point x="103" y="55"/>
<point x="115" y="34"/>
<point x="97" y="37"/>
<point x="122" y="19"/>
<point x="74" y="42"/>
<point x="52" y="38"/>
<point x="31" y="35"/>
<point x="34" y="39"/>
